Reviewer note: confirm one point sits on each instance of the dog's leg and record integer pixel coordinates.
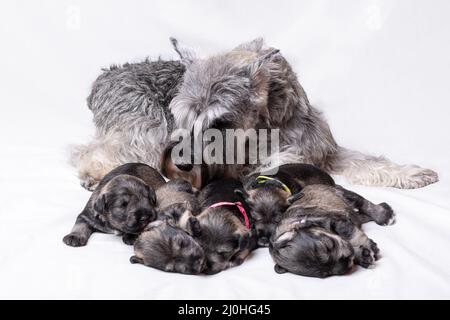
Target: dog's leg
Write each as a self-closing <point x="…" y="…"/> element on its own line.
<point x="381" y="213"/>
<point x="363" y="169"/>
<point x="93" y="162"/>
<point x="366" y="250"/>
<point x="80" y="233"/>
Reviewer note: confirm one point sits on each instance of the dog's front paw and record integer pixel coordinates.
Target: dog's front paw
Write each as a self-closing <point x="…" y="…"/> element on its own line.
<point x="418" y="178"/>
<point x="75" y="240"/>
<point x="366" y="255"/>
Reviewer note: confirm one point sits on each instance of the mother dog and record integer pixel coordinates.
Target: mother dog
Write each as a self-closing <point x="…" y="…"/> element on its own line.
<point x="251" y="86"/>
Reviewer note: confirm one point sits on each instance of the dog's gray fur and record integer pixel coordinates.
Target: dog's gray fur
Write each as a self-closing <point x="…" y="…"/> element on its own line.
<point x="320" y="234"/>
<point x="131" y="116"/>
<point x="254" y="87"/>
<point x="123" y="203"/>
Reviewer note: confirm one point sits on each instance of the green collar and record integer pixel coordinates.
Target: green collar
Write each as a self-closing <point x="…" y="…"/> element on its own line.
<point x="264" y="179"/>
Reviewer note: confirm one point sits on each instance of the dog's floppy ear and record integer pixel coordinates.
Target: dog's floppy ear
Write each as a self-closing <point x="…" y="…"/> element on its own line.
<point x="255" y="45"/>
<point x="242" y="193"/>
<point x="193" y="227"/>
<point x="294" y="198"/>
<point x="279" y="269"/>
<point x="187" y="55"/>
<point x="151" y="194"/>
<point x="100" y="205"/>
<point x="283" y="239"/>
<point x="265" y="58"/>
<point x="244" y="241"/>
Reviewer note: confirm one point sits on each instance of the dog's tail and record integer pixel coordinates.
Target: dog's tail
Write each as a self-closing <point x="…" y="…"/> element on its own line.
<point x="359" y="168"/>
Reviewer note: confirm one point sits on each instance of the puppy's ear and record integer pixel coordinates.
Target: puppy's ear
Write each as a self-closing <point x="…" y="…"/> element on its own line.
<point x="283" y="239"/>
<point x="187" y="55"/>
<point x="278" y="269"/>
<point x="100" y="205"/>
<point x="244" y="241"/>
<point x="151" y="194"/>
<point x="294" y="198"/>
<point x="242" y="193"/>
<point x="193" y="227"/>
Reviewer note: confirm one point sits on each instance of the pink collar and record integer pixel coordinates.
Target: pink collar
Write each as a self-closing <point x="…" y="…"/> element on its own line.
<point x="238" y="205"/>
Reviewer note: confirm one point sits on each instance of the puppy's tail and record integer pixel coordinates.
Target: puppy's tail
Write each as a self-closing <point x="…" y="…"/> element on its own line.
<point x="359" y="168"/>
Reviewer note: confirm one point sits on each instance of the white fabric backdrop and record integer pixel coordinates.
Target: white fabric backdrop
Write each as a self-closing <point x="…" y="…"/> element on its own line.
<point x="377" y="68"/>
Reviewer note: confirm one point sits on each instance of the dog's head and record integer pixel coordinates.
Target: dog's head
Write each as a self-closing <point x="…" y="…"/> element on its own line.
<point x="224" y="91"/>
<point x="168" y="248"/>
<point x="126" y="203"/>
<point x="223" y="236"/>
<point x="310" y="248"/>
<point x="268" y="202"/>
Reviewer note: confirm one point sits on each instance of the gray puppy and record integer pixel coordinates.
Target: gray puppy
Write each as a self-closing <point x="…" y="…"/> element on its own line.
<point x="225" y="226"/>
<point x="320" y="234"/>
<point x="131" y="116"/>
<point x="268" y="194"/>
<point x="177" y="202"/>
<point x="123" y="203"/>
<point x="164" y="245"/>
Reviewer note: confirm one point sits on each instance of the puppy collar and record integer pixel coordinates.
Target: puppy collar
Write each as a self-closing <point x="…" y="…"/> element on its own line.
<point x="236" y="204"/>
<point x="264" y="179"/>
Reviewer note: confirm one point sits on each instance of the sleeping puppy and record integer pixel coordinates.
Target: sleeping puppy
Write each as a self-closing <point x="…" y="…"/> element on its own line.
<point x="225" y="226"/>
<point x="123" y="203"/>
<point x="320" y="234"/>
<point x="267" y="194"/>
<point x="164" y="245"/>
<point x="177" y="202"/>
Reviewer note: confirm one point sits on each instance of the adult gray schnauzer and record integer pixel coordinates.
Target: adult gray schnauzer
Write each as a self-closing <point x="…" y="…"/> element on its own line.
<point x="251" y="86"/>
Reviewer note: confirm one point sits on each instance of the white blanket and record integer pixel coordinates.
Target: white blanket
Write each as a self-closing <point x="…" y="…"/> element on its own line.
<point x="378" y="69"/>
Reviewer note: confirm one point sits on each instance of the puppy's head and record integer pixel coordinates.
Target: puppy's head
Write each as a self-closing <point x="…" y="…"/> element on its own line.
<point x="168" y="248"/>
<point x="267" y="202"/>
<point x="127" y="203"/>
<point x="223" y="236"/>
<point x="232" y="88"/>
<point x="309" y="250"/>
<point x="181" y="215"/>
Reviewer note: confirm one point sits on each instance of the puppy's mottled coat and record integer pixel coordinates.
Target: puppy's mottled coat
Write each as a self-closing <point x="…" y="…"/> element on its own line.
<point x="123" y="203"/>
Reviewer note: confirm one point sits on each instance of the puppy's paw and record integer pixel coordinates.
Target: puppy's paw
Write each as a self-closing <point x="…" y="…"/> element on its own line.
<point x="75" y="240"/>
<point x="388" y="218"/>
<point x="129" y="239"/>
<point x="367" y="254"/>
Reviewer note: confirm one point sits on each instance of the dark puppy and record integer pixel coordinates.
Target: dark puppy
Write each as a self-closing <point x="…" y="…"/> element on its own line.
<point x="177" y="202"/>
<point x="123" y="203"/>
<point x="320" y="234"/>
<point x="267" y="194"/>
<point x="226" y="234"/>
<point x="169" y="248"/>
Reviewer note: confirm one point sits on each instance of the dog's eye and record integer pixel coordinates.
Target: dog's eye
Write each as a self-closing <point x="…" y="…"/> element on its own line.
<point x="124" y="204"/>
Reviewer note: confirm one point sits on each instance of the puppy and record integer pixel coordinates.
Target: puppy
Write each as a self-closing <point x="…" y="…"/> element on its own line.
<point x="177" y="202"/>
<point x="320" y="234"/>
<point x="267" y="194"/>
<point x="123" y="203"/>
<point x="164" y="245"/>
<point x="225" y="226"/>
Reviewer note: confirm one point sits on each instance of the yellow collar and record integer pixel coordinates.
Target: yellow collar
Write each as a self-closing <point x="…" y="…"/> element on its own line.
<point x="264" y="179"/>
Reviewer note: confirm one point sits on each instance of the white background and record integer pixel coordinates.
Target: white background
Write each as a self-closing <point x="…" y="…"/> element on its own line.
<point x="379" y="70"/>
